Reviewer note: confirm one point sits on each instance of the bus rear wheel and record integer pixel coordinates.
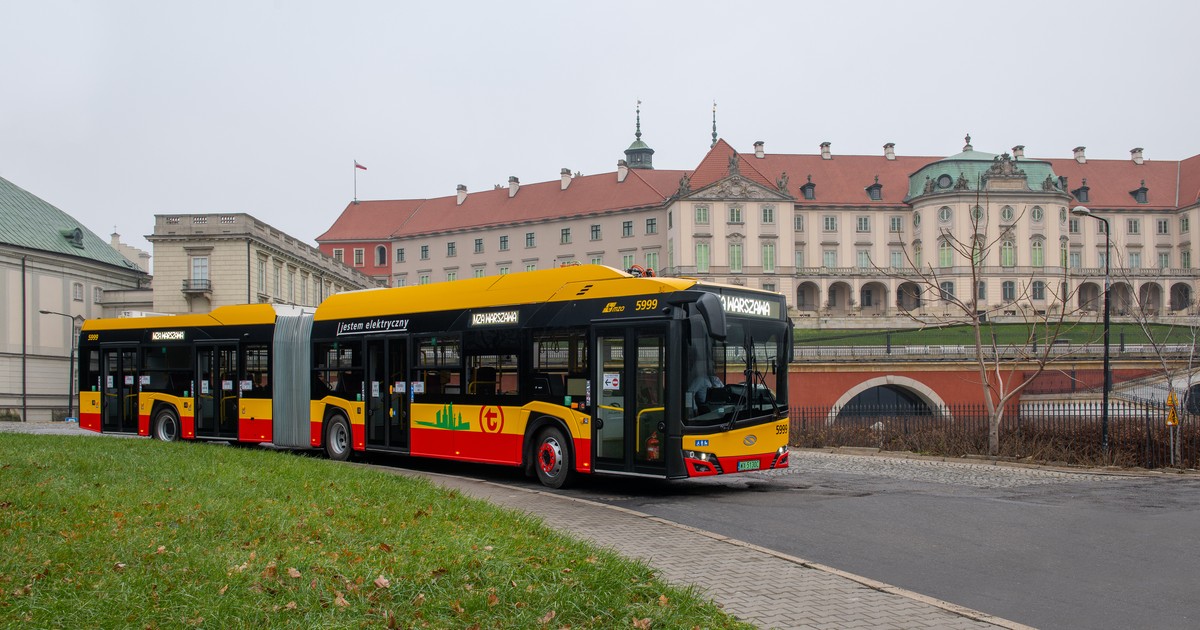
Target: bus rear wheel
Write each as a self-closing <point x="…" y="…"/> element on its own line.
<point x="166" y="425"/>
<point x="337" y="439"/>
<point x="552" y="458"/>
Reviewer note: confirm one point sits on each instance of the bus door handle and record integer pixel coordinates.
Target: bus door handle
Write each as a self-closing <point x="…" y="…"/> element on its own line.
<point x="598" y="422"/>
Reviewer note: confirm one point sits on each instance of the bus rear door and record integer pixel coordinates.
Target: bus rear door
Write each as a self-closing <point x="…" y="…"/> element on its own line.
<point x="217" y="391"/>
<point x="387" y="393"/>
<point x="119" y="390"/>
<point x="630" y="430"/>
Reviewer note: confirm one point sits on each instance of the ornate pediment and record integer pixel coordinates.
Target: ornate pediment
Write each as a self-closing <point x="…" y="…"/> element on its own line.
<point x="737" y="187"/>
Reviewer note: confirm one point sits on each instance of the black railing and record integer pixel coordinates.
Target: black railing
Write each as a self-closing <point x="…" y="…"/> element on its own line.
<point x="1050" y="433"/>
<point x="194" y="285"/>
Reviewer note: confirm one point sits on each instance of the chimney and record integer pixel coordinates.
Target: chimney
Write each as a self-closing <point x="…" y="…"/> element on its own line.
<point x="758" y="149"/>
<point x="1079" y="156"/>
<point x="462" y="193"/>
<point x="622" y="170"/>
<point x="825" y="155"/>
<point x="514" y="185"/>
<point x="1018" y="151"/>
<point x="889" y="150"/>
<point x="1136" y="154"/>
<point x="566" y="177"/>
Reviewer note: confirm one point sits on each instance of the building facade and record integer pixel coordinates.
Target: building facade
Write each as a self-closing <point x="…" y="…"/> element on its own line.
<point x="54" y="273"/>
<point x="854" y="239"/>
<point x="203" y="261"/>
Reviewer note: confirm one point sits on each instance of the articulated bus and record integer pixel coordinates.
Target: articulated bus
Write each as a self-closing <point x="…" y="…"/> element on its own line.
<point x="576" y="370"/>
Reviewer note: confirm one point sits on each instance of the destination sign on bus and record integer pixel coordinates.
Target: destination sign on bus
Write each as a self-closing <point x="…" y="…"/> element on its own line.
<point x="756" y="307"/>
<point x="494" y="318"/>
<point x="167" y="335"/>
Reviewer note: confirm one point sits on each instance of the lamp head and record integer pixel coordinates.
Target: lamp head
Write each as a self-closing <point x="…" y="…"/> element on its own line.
<point x="1081" y="211"/>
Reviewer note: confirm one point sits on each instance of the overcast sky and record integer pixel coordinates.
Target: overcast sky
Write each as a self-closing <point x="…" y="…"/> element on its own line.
<point x="119" y="110"/>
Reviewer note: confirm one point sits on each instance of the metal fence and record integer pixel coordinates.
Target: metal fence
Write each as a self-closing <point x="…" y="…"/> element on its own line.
<point x="941" y="352"/>
<point x="1053" y="433"/>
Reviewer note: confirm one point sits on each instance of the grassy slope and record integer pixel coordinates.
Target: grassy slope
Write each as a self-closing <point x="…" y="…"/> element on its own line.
<point x="117" y="532"/>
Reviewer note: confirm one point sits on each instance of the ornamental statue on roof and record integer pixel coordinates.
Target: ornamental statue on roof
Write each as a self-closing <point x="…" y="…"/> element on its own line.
<point x="1003" y="166"/>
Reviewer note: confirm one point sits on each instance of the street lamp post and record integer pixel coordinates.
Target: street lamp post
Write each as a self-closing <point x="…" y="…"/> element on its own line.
<point x="71" y="368"/>
<point x="1084" y="212"/>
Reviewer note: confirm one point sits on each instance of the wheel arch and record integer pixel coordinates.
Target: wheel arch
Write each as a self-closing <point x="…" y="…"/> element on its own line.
<point x="529" y="443"/>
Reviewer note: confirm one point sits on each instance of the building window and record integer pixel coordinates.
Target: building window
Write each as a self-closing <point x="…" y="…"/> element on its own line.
<point x="735" y="258"/>
<point x="944" y="214"/>
<point x="278" y="292"/>
<point x="530" y="241"/>
<point x="339" y="255"/>
<point x="862" y="224"/>
<point x="1006" y="214"/>
<point x="798" y="223"/>
<point x="478" y="272"/>
<point x="1162" y="226"/>
<point x="402" y="281"/>
<point x="670" y="220"/>
<point x="451" y="276"/>
<point x="1008" y="254"/>
<point x="1101" y="259"/>
<point x="304" y="289"/>
<point x="809" y="190"/>
<point x="360" y="255"/>
<point x="652" y="260"/>
<point x="1073" y="226"/>
<point x="868" y="298"/>
<point x="291" y="293"/>
<point x="768" y="286"/>
<point x="1135" y="260"/>
<point x="1132" y="226"/>
<point x="945" y="254"/>
<point x="864" y="259"/>
<point x="503" y="270"/>
<point x="897" y="259"/>
<point x="595" y="232"/>
<point x="317" y="289"/>
<point x="530" y="266"/>
<point x="799" y="258"/>
<point x="917" y="260"/>
<point x="1008" y="291"/>
<point x="768" y="257"/>
<point x="1036" y="254"/>
<point x="451" y="249"/>
<point x="981" y="291"/>
<point x="947" y="291"/>
<point x="199" y="268"/>
<point x="423" y="279"/>
<point x="1037" y="214"/>
<point x="895" y="224"/>
<point x="916" y="220"/>
<point x="77" y="291"/>
<point x="399" y="254"/>
<point x="735" y="214"/>
<point x="829" y="258"/>
<point x="1185" y="258"/>
<point x="380" y="255"/>
<point x="626" y="261"/>
<point x="702" y="261"/>
<point x="262" y="276"/>
<point x="768" y="214"/>
<point x="830" y="222"/>
<point x="1184" y="224"/>
<point x="627" y="228"/>
<point x="1037" y="290"/>
<point x="651" y="226"/>
<point x="503" y="243"/>
<point x="424" y="252"/>
<point x="97" y="295"/>
<point x="478" y="246"/>
<point x="1062" y="253"/>
<point x="701" y="215"/>
<point x="597" y="260"/>
<point x="564" y="236"/>
<point x="1164" y="260"/>
<point x="1076" y="260"/>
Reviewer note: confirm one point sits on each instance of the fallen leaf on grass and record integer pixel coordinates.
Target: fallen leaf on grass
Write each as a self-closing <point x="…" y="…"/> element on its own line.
<point x="642" y="624"/>
<point x="223" y="589"/>
<point x="545" y="619"/>
<point x="161" y="549"/>
<point x="340" y="601"/>
<point x="271" y="570"/>
<point x="382" y="582"/>
<point x="492" y="599"/>
<point x="290" y="606"/>
<point x="662" y="600"/>
<point x="457" y="607"/>
<point x="293" y="573"/>
<point x="419" y="599"/>
<point x="120" y="566"/>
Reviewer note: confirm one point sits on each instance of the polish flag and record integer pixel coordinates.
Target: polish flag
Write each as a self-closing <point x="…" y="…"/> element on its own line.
<point x="357" y="165"/>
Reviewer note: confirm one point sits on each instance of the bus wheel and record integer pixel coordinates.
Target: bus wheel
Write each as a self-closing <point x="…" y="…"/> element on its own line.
<point x="337" y="439"/>
<point x="552" y="458"/>
<point x="166" y="426"/>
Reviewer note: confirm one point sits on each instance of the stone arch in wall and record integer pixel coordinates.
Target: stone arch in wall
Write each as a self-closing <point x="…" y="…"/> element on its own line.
<point x="917" y="388"/>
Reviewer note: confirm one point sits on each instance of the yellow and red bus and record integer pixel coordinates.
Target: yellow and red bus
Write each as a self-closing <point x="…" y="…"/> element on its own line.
<point x="577" y="370"/>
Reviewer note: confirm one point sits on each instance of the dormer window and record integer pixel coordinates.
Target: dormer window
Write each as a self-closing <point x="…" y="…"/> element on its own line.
<point x="1139" y="195"/>
<point x="74" y="237"/>
<point x="1081" y="193"/>
<point x="875" y="191"/>
<point x="809" y="189"/>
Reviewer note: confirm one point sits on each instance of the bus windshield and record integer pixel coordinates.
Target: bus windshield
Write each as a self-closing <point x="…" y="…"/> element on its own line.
<point x="737" y="380"/>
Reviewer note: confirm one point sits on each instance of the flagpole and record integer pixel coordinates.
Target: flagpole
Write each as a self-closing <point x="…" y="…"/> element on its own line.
<point x="356" y="181"/>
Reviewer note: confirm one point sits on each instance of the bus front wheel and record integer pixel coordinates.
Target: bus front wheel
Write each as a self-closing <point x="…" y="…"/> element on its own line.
<point x="552" y="458"/>
<point x="337" y="439"/>
<point x="166" y="426"/>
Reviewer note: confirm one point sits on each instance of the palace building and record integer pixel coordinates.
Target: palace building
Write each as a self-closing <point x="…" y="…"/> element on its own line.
<point x="845" y="237"/>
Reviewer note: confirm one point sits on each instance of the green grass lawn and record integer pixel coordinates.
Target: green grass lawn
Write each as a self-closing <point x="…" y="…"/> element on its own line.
<point x="1006" y="334"/>
<point x="102" y="532"/>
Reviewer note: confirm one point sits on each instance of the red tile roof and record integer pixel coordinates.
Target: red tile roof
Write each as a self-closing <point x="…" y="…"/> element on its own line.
<point x="715" y="167"/>
<point x="844" y="179"/>
<point x="370" y="220"/>
<point x="1189" y="181"/>
<point x="1110" y="181"/>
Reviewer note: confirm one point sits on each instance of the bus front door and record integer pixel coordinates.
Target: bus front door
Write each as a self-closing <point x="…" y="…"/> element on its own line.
<point x="387" y="393"/>
<point x="630" y="434"/>
<point x="119" y="387"/>
<point x="217" y="391"/>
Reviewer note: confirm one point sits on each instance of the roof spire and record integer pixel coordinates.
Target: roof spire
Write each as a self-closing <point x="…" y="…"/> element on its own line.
<point x="714" y="134"/>
<point x="638" y="134"/>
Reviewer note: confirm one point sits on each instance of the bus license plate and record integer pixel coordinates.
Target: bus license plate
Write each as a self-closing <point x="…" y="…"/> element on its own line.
<point x="748" y="464"/>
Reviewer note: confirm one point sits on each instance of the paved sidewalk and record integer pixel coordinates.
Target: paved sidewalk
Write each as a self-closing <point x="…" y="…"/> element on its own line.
<point x="757" y="585"/>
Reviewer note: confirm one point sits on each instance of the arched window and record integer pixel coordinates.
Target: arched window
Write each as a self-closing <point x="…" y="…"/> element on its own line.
<point x="917" y="256"/>
<point x="945" y="254"/>
<point x="381" y="257"/>
<point x="1008" y="254"/>
<point x="1037" y="256"/>
<point x="947" y="291"/>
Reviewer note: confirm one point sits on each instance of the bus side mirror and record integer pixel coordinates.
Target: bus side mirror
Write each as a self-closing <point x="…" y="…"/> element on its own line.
<point x="709" y="307"/>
